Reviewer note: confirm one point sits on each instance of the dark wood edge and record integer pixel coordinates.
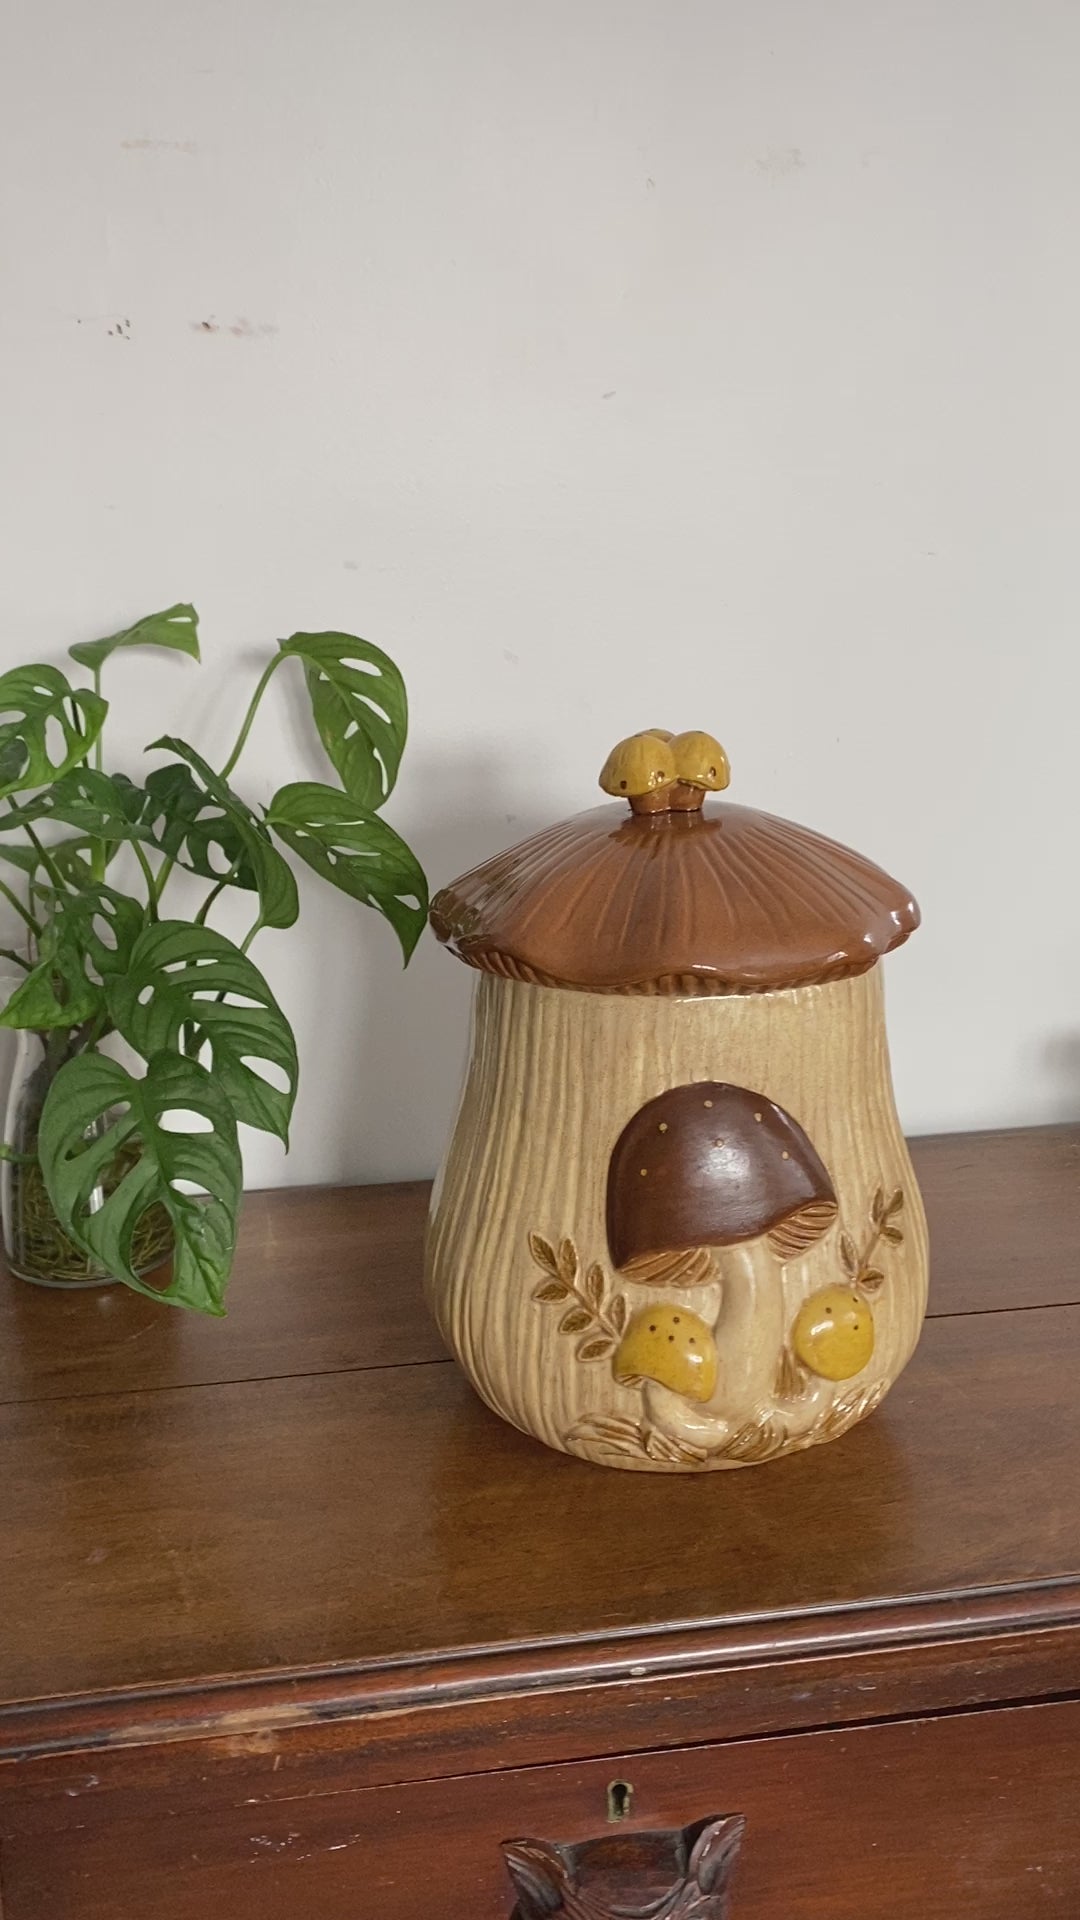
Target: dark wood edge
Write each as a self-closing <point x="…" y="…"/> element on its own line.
<point x="611" y="1717"/>
<point x="284" y="1698"/>
<point x="1070" y="1128"/>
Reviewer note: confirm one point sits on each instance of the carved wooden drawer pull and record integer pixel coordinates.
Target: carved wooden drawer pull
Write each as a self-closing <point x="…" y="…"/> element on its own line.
<point x="683" y="1873"/>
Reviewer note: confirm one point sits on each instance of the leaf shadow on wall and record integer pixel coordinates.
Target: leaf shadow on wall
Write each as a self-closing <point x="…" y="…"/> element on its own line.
<point x="390" y="1075"/>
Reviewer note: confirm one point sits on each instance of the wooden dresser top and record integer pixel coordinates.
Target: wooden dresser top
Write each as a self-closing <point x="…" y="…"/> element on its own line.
<point x="308" y="1496"/>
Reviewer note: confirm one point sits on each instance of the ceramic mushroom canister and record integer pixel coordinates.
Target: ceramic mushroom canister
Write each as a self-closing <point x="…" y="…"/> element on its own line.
<point x="677" y="1228"/>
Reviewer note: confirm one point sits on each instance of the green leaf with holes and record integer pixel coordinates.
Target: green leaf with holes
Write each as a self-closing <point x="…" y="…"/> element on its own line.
<point x="176" y="628"/>
<point x="105" y="805"/>
<point x="356" y="851"/>
<point x="88" y="938"/>
<point x="189" y="817"/>
<point x="182" y="984"/>
<point x="27" y="859"/>
<point x="105" y="923"/>
<point x="71" y="858"/>
<point x="56" y="993"/>
<point x="182" y="823"/>
<point x="46" y="726"/>
<point x="360" y="708"/>
<point x="95" y="1111"/>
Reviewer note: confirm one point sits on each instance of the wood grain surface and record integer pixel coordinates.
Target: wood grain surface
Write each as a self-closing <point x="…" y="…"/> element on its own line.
<point x="282" y="1607"/>
<point x="967" y="1817"/>
<point x="329" y="1279"/>
<point x="368" y="1515"/>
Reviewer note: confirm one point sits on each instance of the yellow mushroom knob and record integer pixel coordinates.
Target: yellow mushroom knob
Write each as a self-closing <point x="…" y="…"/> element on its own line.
<point x="834" y="1332"/>
<point x="639" y="765"/>
<point x="671" y="1346"/>
<point x="700" y="761"/>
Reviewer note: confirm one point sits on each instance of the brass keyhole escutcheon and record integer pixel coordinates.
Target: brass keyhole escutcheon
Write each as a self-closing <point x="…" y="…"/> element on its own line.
<point x="620" y="1796"/>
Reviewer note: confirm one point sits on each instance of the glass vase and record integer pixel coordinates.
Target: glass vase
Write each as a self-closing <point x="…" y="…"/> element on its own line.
<point x="36" y="1247"/>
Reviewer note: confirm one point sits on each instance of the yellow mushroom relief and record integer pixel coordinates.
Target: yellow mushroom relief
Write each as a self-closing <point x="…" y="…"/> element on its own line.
<point x="833" y="1333"/>
<point x="671" y="1346"/>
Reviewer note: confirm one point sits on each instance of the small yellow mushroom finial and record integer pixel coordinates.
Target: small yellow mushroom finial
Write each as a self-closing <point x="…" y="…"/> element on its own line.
<point x="640" y="765"/>
<point x="660" y="772"/>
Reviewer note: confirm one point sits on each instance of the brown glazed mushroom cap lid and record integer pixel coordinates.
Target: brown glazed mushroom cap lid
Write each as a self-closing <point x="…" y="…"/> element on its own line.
<point x="679" y="896"/>
<point x="710" y="1165"/>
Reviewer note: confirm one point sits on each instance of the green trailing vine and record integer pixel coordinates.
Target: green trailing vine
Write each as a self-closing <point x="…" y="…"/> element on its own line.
<point x="102" y="1176"/>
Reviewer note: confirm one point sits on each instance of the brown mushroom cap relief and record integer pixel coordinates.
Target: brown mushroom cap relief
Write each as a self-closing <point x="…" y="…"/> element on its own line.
<point x="712" y="1165"/>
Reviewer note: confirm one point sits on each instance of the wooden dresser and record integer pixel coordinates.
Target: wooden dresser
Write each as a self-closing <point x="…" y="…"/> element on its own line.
<point x="292" y="1628"/>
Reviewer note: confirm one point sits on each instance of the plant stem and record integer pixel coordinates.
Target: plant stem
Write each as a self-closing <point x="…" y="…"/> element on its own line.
<point x="264" y="681"/>
<point x="148" y="875"/>
<point x="160" y="878"/>
<point x="250" y="934"/>
<point x="86" y="1037"/>
<point x="99" y="858"/>
<point x="23" y="913"/>
<point x="46" y="860"/>
<point x="9" y="953"/>
<point x="97" y="742"/>
<point x="219" y="887"/>
<point x="16" y="1159"/>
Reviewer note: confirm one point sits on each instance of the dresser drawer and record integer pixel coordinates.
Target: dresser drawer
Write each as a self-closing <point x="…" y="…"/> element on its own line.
<point x="965" y="1815"/>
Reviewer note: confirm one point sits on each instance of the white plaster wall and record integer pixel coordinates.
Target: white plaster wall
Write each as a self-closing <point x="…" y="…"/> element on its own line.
<point x="609" y="362"/>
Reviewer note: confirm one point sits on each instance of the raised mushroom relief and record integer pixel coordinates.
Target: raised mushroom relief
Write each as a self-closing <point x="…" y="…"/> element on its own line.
<point x="715" y="1190"/>
<point x="833" y="1333"/>
<point x="713" y="1165"/>
<point x="672" y="1346"/>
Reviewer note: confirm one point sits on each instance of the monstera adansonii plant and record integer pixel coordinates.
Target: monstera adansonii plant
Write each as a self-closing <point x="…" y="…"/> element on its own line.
<point x="111" y="1147"/>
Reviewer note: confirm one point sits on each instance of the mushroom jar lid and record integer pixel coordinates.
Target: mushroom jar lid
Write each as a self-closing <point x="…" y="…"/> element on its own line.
<point x="681" y="895"/>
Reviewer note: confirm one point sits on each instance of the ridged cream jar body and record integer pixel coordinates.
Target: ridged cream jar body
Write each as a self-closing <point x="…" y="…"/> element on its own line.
<point x="553" y="1077"/>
